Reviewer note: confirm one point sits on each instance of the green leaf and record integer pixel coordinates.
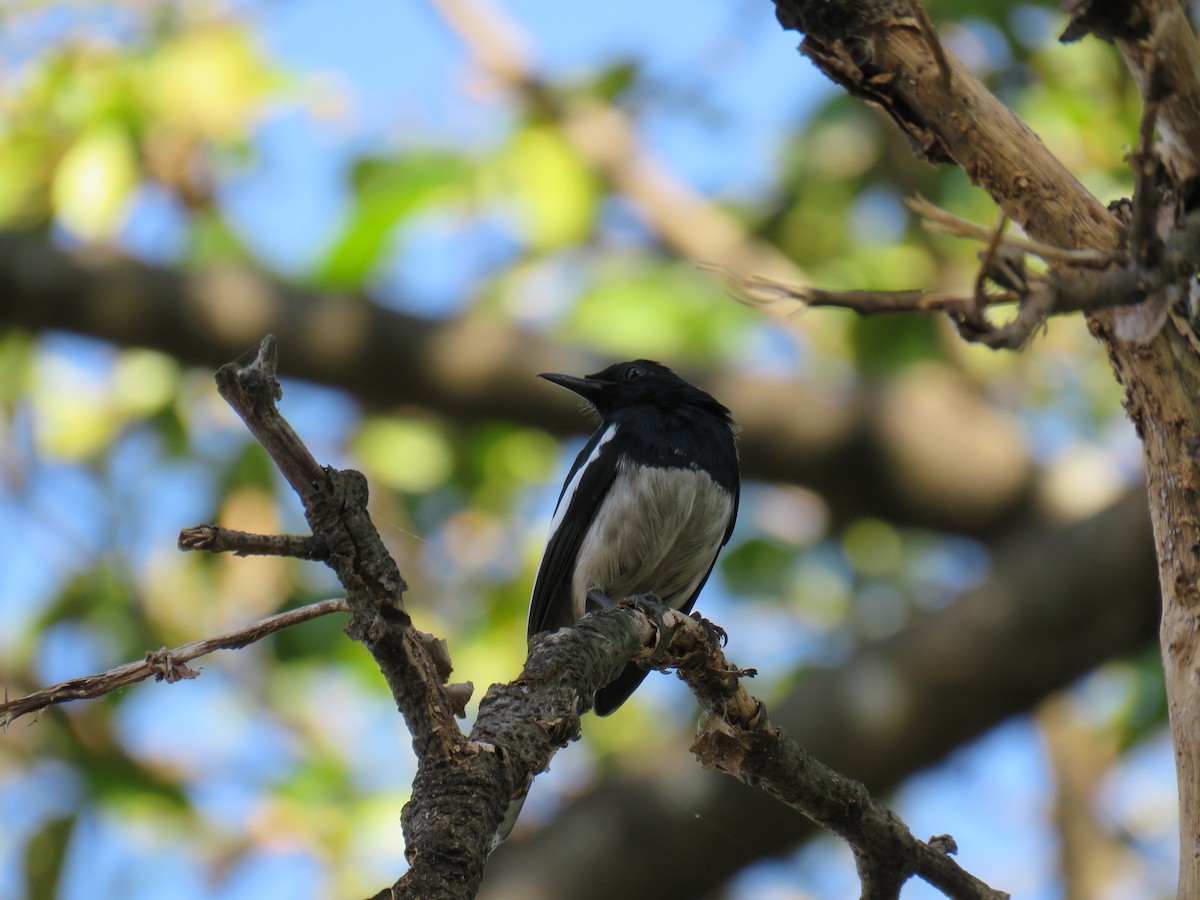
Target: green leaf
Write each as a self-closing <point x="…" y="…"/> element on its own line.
<point x="757" y="567"/>
<point x="94" y="181"/>
<point x="386" y="192"/>
<point x="409" y="455"/>
<point x="558" y="195"/>
<point x="44" y="857"/>
<point x="885" y="344"/>
<point x="251" y="468"/>
<point x="672" y="312"/>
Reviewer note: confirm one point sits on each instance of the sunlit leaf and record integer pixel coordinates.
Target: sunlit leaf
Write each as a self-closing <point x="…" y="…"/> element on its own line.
<point x="143" y="382"/>
<point x="209" y="80"/>
<point x="667" y="311"/>
<point x="405" y="454"/>
<point x="94" y="181"/>
<point x="556" y="193"/>
<point x="873" y="547"/>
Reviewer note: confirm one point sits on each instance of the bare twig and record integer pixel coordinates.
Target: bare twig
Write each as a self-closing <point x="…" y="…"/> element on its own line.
<point x="975" y="319"/>
<point x="937" y="219"/>
<point x="252" y="390"/>
<point x="1037" y="297"/>
<point x="162" y="665"/>
<point x="759" y="289"/>
<point x="215" y="539"/>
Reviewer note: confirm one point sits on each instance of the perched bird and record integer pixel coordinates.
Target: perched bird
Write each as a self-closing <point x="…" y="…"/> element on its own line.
<point x="648" y="504"/>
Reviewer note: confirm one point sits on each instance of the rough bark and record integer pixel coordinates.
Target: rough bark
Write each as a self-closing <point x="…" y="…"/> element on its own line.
<point x="1163" y="384"/>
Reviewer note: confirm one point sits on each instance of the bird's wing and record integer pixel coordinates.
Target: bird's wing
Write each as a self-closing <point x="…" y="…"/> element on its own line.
<point x="586" y="486"/>
<point x="733" y="510"/>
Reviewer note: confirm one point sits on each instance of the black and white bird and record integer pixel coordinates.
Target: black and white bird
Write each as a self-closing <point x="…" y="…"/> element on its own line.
<point x="647" y="506"/>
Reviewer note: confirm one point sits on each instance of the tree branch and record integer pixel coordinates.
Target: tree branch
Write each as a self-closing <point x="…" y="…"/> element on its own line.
<point x="1152" y="33"/>
<point x="163" y="665"/>
<point x="1039" y="298"/>
<point x="737" y="738"/>
<point x="464" y="785"/>
<point x="335" y="505"/>
<point x="1163" y="54"/>
<point x="1058" y="601"/>
<point x="523" y="723"/>
<point x="459" y="800"/>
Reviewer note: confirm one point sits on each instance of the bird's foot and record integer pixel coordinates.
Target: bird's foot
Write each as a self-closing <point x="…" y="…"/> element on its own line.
<point x="650" y="604"/>
<point x="656" y="611"/>
<point x="596" y="600"/>
<point x="715" y="632"/>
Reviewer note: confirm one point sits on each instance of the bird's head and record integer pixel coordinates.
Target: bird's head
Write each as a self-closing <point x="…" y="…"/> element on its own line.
<point x="639" y="382"/>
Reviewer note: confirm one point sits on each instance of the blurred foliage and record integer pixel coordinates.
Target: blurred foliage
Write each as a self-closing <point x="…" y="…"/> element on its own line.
<point x="104" y="453"/>
<point x="386" y="193"/>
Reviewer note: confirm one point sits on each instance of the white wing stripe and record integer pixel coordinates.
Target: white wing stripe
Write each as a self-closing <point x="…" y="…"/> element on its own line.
<point x="564" y="502"/>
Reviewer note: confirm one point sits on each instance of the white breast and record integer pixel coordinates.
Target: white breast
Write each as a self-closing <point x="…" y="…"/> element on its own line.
<point x="657" y="531"/>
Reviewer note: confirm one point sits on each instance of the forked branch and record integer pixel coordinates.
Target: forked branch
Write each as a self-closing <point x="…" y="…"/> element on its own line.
<point x="465" y="783"/>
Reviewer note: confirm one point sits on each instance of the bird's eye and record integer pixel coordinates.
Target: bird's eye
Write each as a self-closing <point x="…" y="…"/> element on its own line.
<point x="633" y="373"/>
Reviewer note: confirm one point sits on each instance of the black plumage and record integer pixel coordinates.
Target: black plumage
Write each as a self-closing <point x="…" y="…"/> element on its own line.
<point x="647" y="506"/>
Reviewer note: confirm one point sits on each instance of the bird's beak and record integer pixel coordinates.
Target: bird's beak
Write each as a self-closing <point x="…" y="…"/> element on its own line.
<point x="587" y="388"/>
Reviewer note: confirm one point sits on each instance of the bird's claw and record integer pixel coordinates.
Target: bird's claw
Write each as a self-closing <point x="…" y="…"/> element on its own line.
<point x="655" y="610"/>
<point x="716" y="633"/>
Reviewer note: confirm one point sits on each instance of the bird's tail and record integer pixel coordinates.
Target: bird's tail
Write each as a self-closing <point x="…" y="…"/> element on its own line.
<point x="610" y="697"/>
<point x="509" y="820"/>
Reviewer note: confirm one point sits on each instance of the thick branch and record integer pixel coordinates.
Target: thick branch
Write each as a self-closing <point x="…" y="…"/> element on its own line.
<point x="458" y="800"/>
<point x="162" y="665"/>
<point x="1162" y="52"/>
<point x="522" y="724"/>
<point x="1057" y="603"/>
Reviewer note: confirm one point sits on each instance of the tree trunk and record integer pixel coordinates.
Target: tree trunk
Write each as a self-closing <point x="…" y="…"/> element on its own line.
<point x="953" y="118"/>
